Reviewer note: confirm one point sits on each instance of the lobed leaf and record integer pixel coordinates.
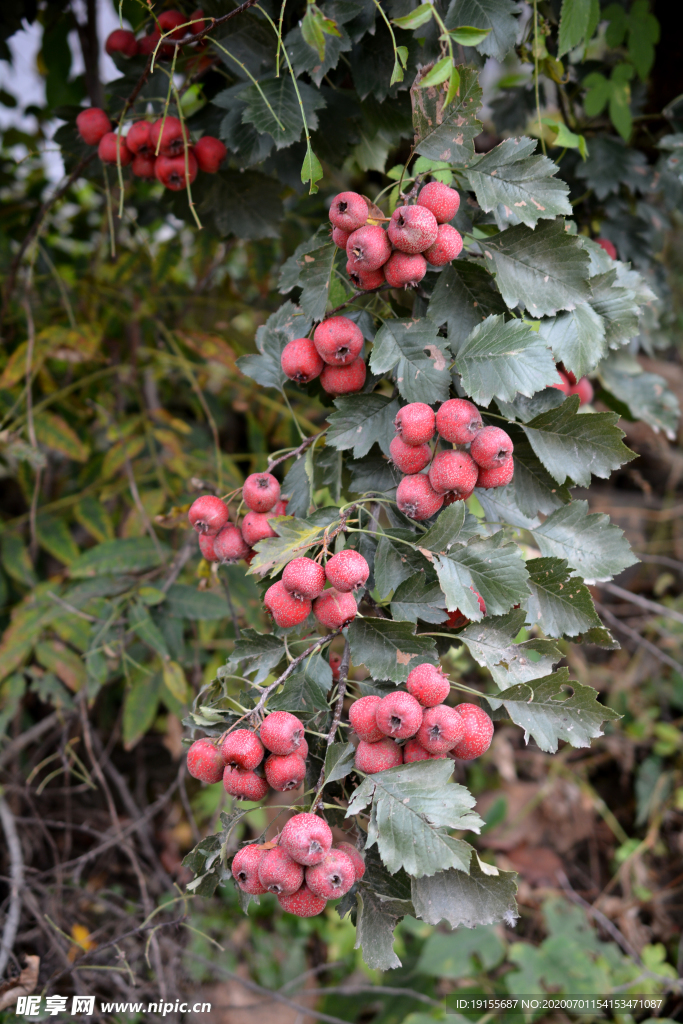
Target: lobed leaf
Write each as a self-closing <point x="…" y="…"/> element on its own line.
<point x="500" y="359"/>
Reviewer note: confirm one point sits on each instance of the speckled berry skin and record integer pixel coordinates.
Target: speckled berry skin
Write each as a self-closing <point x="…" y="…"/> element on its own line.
<point x="453" y="471"/>
<point x="303" y="748"/>
<point x="355" y="856"/>
<point x="206" y="547"/>
<point x="244" y="784"/>
<point x="499" y="476"/>
<point x="608" y="246"/>
<point x="172" y="142"/>
<point x="584" y="389"/>
<point x="92" y="124"/>
<point x="416" y="497"/>
<point x="280" y="874"/>
<point x="447" y="247"/>
<point x="442" y="727"/>
<point x="304" y="579"/>
<point x="229" y="545"/>
<point x="491" y="447"/>
<point x="414" y="751"/>
<point x="245" y="867"/>
<point x="405" y="270"/>
<point x="285" y="773"/>
<point x="398" y="715"/>
<point x="409" y="458"/>
<point x="306" y="838"/>
<point x="333" y="877"/>
<point x="301" y="361"/>
<point x="208" y="514"/>
<point x="477" y="732"/>
<point x="242" y="749"/>
<point x="442" y="201"/>
<point x="348" y="211"/>
<point x="365" y="280"/>
<point x="209" y="152"/>
<point x="338" y="340"/>
<point x="137" y="139"/>
<point x="344" y="380"/>
<point x="415" y="423"/>
<point x="564" y="385"/>
<point x="369" y="248"/>
<point x="205" y="762"/>
<point x="347" y="570"/>
<point x="261" y="492"/>
<point x="111" y="149"/>
<point x="282" y="733"/>
<point x="458" y="421"/>
<point x="363" y="718"/>
<point x="256" y="526"/>
<point x="412" y="229"/>
<point x="303" y="903"/>
<point x="340" y="237"/>
<point x="377" y="757"/>
<point x="335" y="609"/>
<point x="428" y="684"/>
<point x="287" y="610"/>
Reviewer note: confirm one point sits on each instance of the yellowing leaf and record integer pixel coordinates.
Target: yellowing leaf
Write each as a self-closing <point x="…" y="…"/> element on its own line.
<point x="58" y="658"/>
<point x="174" y="679"/>
<point x="211" y="347"/>
<point x="55" y="433"/>
<point x="118" y="453"/>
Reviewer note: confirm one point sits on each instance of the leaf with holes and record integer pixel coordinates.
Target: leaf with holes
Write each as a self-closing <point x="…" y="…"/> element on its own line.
<point x="415" y="355"/>
<point x="447" y="132"/>
<point x="500" y="359"/>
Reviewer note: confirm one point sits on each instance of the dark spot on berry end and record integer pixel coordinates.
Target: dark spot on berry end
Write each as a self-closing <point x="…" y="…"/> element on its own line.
<point x="342" y="207"/>
<point x="395" y="722"/>
<point x="241" y="876"/>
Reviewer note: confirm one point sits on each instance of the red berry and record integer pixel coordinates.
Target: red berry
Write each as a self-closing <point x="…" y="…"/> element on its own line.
<point x="204" y="761"/>
<point x="285" y="773"/>
<point x="414" y="751"/>
<point x="209" y="154"/>
<point x="170" y="20"/>
<point x="338" y="340"/>
<point x="584" y="389"/>
<point x="335" y="665"/>
<point x="335" y="609"/>
<point x="304" y="579"/>
<point x="208" y="514"/>
<point x="171" y="133"/>
<point x="428" y="684"/>
<point x="405" y="271"/>
<point x="477" y="732"/>
<point x="303" y="748"/>
<point x="280" y="509"/>
<point x="301" y="361"/>
<point x="368" y="248"/>
<point x="355" y="856"/>
<point x="564" y="385"/>
<point x="148" y="45"/>
<point x="499" y="476"/>
<point x="451" y="497"/>
<point x="280" y="874"/>
<point x="198" y="24"/>
<point x="242" y="749"/>
<point x="491" y="447"/>
<point x="111" y="145"/>
<point x="286" y="609"/>
<point x="256" y="526"/>
<point x="306" y="838"/>
<point x="347" y="570"/>
<point x="137" y="139"/>
<point x="442" y="727"/>
<point x="365" y="280"/>
<point x="348" y="211"/>
<point x="282" y="733"/>
<point x="344" y="380"/>
<point x="174" y="172"/>
<point x="245" y="867"/>
<point x="144" y="167"/>
<point x="302" y="903"/>
<point x="398" y="715"/>
<point x="261" y="492"/>
<point x="447" y="247"/>
<point x="413" y="228"/>
<point x="409" y="458"/>
<point x="377" y="757"/>
<point x="206" y="547"/>
<point x="415" y="423"/>
<point x="442" y="201"/>
<point x="333" y="877"/>
<point x="453" y="471"/>
<point x="92" y="124"/>
<point x="416" y="497"/>
<point x="363" y="718"/>
<point x="456" y="619"/>
<point x="458" y="421"/>
<point x="340" y="237"/>
<point x="121" y="41"/>
<point x="244" y="784"/>
<point x="608" y="246"/>
<point x="229" y="546"/>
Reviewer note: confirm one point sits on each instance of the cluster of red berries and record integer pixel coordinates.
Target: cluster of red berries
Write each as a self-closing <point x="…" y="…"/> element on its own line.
<point x="571" y="386"/>
<point x="432" y="729"/>
<point x="178" y="161"/>
<point x="225" y="542"/>
<point x="333" y="354"/>
<point x="123" y="41"/>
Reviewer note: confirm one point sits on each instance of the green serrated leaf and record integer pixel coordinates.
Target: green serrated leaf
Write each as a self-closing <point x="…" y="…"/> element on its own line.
<point x="395" y="562"/>
<point x="273" y="107"/>
<point x="360" y="421"/>
<point x="454" y="525"/>
<point x="294" y="538"/>
<point x="412" y="350"/>
<point x="498" y="17"/>
<point x="575" y="20"/>
<point x="490" y="644"/>
<point x="576" y="337"/>
<point x="375" y="924"/>
<point x="314" y="277"/>
<point x="416" y="599"/>
<point x="311" y="170"/>
<point x="532" y="486"/>
<point x="305" y="690"/>
<point x="388" y="649"/>
<point x="339" y="761"/>
<point x="617" y="306"/>
<point x="420" y="16"/>
<point x="480" y="897"/>
<point x="492" y="567"/>
<point x="463" y="296"/>
<point x="592" y="545"/>
<point x="443" y="132"/>
<point x="559" y="603"/>
<point x="500" y="359"/>
<point x="646" y="395"/>
<point x="279" y="329"/>
<point x="262" y="651"/>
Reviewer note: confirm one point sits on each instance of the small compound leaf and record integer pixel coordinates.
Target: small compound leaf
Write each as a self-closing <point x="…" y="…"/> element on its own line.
<point x="388" y="649"/>
<point x="477" y="898"/>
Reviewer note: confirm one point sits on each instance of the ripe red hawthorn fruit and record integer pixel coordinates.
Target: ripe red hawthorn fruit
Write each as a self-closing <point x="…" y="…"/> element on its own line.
<point x="608" y="246"/>
<point x="442" y="727"/>
<point x="458" y="421"/>
<point x="491" y="447"/>
<point x="409" y="458"/>
<point x="447" y="247"/>
<point x="121" y="41"/>
<point x="335" y="665"/>
<point x="363" y="718"/>
<point x="137" y="139"/>
<point x="338" y="340"/>
<point x="198" y="24"/>
<point x="414" y="751"/>
<point x="335" y="609"/>
<point x="428" y="684"/>
<point x="412" y="229"/>
<point x="416" y="497"/>
<point x="206" y="547"/>
<point x="285" y="773"/>
<point x="442" y="201"/>
<point x="403" y="270"/>
<point x="365" y="280"/>
<point x="174" y="172"/>
<point x="282" y="733"/>
<point x="229" y="545"/>
<point x="147" y="44"/>
<point x="348" y="211"/>
<point x="244" y="784"/>
<point x="499" y="476"/>
<point x="304" y="579"/>
<point x="242" y="749"/>
<point x="306" y="838"/>
<point x="340" y="237"/>
<point x="110" y="145"/>
<point x="564" y="384"/>
<point x="287" y="610"/>
<point x="205" y="761"/>
<point x="477" y="732"/>
<point x="260" y="492"/>
<point x="208" y="514"/>
<point x="355" y="856"/>
<point x="415" y="423"/>
<point x="301" y="360"/>
<point x="278" y="873"/>
<point x="344" y="380"/>
<point x="453" y="471"/>
<point x="398" y="715"/>
<point x="280" y="508"/>
<point x="368" y="248"/>
<point x="347" y="570"/>
<point x="170" y="131"/>
<point x="456" y="619"/>
<point x="144" y="167"/>
<point x="584" y="389"/>
<point x="333" y="877"/>
<point x="302" y="903"/>
<point x="377" y="757"/>
<point x="209" y="153"/>
<point x="303" y="748"/>
<point x="170" y="20"/>
<point x="245" y="867"/>
<point x="256" y="526"/>
<point x="92" y="124"/>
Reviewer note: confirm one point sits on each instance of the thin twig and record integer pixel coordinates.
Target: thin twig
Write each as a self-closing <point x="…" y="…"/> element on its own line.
<point x="357" y="295"/>
<point x="296" y="451"/>
<point x="28" y="737"/>
<point x="621" y="627"/>
<point x="642" y="602"/>
<point x="336" y="718"/>
<point x="672" y="563"/>
<point x="9" y="933"/>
